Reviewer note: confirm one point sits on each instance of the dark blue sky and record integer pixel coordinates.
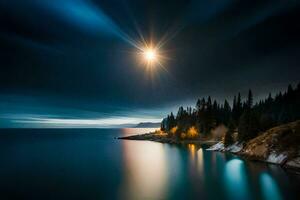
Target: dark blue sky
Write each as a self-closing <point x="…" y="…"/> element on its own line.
<point x="73" y="62"/>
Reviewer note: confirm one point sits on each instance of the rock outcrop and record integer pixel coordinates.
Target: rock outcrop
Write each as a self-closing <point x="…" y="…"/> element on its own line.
<point x="278" y="145"/>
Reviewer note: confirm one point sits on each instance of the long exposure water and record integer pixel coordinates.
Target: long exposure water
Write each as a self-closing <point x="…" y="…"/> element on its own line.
<point x="92" y="164"/>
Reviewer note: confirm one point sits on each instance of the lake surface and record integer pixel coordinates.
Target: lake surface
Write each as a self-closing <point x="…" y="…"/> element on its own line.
<point x="91" y="164"/>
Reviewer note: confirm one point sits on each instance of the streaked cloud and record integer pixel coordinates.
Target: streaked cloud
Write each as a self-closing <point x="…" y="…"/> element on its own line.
<point x="83" y="14"/>
<point x="29" y="112"/>
<point x="24" y="121"/>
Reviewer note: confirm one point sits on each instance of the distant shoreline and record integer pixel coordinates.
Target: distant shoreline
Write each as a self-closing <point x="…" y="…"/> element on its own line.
<point x="162" y="138"/>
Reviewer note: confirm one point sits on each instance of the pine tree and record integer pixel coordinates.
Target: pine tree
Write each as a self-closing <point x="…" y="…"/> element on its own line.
<point x="209" y="104"/>
<point x="172" y="121"/>
<point x="250" y="99"/>
<point x="228" y="139"/>
<point x="180" y="113"/>
<point x="227" y="112"/>
<point x="270" y="99"/>
<point x="248" y="126"/>
<point x="210" y="121"/>
<point x="234" y="111"/>
<point x="163" y="125"/>
<point x="198" y="105"/>
<point x="203" y="103"/>
<point x="290" y="89"/>
<point x="239" y="108"/>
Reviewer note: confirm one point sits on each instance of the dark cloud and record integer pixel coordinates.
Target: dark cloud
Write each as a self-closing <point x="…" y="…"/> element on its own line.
<point x="82" y="50"/>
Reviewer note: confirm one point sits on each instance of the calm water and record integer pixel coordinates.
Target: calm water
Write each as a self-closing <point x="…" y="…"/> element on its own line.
<point x="91" y="164"/>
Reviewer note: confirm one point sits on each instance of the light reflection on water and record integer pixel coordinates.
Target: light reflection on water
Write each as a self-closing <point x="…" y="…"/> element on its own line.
<point x="200" y="166"/>
<point x="91" y="164"/>
<point x="195" y="159"/>
<point x="146" y="170"/>
<point x="162" y="171"/>
<point x="192" y="156"/>
<point x="236" y="180"/>
<point x="269" y="187"/>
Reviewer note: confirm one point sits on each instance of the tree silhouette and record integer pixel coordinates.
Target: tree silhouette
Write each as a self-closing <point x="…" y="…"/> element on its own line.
<point x="248" y="118"/>
<point x="228" y="139"/>
<point x="250" y="100"/>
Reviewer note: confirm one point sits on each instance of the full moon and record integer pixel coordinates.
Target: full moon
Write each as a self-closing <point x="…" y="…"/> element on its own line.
<point x="150" y="55"/>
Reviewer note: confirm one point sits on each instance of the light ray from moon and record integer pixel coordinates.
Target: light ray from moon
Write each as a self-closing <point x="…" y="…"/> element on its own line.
<point x="150" y="55"/>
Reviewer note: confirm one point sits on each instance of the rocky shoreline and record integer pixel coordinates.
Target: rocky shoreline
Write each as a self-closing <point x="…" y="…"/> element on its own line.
<point x="279" y="145"/>
<point x="281" y="159"/>
<point x="162" y="138"/>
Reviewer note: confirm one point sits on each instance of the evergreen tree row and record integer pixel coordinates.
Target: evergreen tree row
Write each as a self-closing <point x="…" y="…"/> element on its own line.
<point x="247" y="118"/>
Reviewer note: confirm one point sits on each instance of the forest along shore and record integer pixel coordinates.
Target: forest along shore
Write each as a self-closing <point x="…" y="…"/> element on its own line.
<point x="279" y="145"/>
<point x="266" y="130"/>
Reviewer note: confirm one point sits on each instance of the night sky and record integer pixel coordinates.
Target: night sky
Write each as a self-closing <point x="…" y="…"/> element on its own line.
<point x="73" y="63"/>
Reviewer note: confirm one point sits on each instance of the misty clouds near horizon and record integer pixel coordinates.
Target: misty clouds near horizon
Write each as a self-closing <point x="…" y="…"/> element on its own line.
<point x="76" y="60"/>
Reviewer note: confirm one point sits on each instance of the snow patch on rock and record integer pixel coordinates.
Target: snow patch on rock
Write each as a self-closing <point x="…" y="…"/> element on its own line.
<point x="234" y="148"/>
<point x="217" y="147"/>
<point x="276" y="158"/>
<point x="295" y="163"/>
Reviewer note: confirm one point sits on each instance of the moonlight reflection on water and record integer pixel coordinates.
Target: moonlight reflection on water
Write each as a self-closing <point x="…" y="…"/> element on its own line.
<point x="91" y="164"/>
<point x="146" y="168"/>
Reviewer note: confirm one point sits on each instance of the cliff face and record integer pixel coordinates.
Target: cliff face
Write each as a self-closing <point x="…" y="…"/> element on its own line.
<point x="279" y="145"/>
